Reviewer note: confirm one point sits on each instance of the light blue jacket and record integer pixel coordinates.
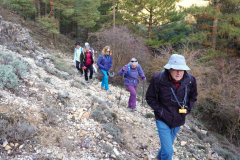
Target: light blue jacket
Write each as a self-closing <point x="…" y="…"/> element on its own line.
<point x="77" y="53"/>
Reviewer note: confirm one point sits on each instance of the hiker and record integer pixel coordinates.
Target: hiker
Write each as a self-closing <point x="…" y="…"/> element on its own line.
<point x="131" y="71"/>
<point x="90" y="48"/>
<point x="87" y="62"/>
<point x="77" y="52"/>
<point x="171" y="94"/>
<point x="105" y="63"/>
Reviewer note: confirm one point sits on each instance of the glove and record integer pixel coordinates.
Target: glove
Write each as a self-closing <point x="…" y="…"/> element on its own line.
<point x="84" y="67"/>
<point x="143" y="78"/>
<point x="124" y="68"/>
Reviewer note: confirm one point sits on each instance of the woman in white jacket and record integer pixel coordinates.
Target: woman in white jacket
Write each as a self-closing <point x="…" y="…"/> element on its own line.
<point x="77" y="53"/>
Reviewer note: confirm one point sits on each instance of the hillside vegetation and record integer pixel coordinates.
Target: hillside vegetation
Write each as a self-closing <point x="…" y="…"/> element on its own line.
<point x="42" y="95"/>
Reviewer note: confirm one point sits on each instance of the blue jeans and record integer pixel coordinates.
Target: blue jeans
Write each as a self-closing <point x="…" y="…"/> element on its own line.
<point x="167" y="136"/>
<point x="104" y="79"/>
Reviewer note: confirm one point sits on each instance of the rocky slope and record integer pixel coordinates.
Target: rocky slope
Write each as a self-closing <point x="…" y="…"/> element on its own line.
<point x="76" y="120"/>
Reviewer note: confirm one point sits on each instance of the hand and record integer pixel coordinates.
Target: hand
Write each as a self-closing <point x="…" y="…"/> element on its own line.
<point x="73" y="60"/>
<point x="84" y="67"/>
<point x="143" y="78"/>
<point x="124" y="68"/>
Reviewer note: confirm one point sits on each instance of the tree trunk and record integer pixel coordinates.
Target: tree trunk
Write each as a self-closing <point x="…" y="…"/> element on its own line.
<point x="87" y="30"/>
<point x="55" y="40"/>
<point x="76" y="31"/>
<point x="215" y="25"/>
<point x="114" y="13"/>
<point x="150" y="24"/>
<point x="39" y="9"/>
<point x="45" y="9"/>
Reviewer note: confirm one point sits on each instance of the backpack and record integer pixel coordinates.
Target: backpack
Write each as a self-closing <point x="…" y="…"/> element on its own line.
<point x="129" y="69"/>
<point x="157" y="89"/>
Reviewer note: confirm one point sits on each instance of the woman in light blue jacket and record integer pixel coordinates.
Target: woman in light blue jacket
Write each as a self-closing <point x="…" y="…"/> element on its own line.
<point x="77" y="53"/>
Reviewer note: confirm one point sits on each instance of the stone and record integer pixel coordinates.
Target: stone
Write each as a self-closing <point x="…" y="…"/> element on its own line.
<point x="11" y="145"/>
<point x="5" y="143"/>
<point x="82" y="133"/>
<point x="116" y="151"/>
<point x="110" y="136"/>
<point x="100" y="155"/>
<point x="16" y="144"/>
<point x="183" y="143"/>
<point x="20" y="147"/>
<point x="86" y="115"/>
<point x="153" y="143"/>
<point x="71" y="137"/>
<point x="7" y="147"/>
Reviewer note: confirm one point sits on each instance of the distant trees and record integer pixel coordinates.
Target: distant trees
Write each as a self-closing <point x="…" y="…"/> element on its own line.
<point x="217" y="25"/>
<point x="86" y="13"/>
<point x="148" y="12"/>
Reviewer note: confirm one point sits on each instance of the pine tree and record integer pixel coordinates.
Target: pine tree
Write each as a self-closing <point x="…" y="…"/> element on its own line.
<point x="148" y="12"/>
<point x="86" y="13"/>
<point x="217" y="25"/>
<point x="25" y="8"/>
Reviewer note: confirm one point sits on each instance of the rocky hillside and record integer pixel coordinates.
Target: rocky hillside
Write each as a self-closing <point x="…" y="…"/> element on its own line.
<point x="54" y="114"/>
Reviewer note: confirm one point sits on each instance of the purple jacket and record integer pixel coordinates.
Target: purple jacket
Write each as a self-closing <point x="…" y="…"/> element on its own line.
<point x="166" y="109"/>
<point x="132" y="78"/>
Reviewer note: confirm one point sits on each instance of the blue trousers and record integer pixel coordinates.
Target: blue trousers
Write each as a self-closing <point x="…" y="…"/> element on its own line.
<point x="167" y="136"/>
<point x="104" y="79"/>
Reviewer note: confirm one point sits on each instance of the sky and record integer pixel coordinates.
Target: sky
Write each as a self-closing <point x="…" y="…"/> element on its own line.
<point x="188" y="3"/>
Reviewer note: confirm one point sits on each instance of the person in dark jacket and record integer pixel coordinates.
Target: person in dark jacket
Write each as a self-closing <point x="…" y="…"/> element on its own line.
<point x="171" y="94"/>
<point x="87" y="61"/>
<point x="131" y="72"/>
<point x="105" y="63"/>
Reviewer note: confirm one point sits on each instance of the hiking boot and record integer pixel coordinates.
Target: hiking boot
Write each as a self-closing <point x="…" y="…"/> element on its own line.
<point x="134" y="109"/>
<point x="87" y="81"/>
<point x="109" y="92"/>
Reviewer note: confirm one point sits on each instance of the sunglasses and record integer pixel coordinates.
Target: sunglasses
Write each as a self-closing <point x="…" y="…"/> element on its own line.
<point x="108" y="51"/>
<point x="133" y="61"/>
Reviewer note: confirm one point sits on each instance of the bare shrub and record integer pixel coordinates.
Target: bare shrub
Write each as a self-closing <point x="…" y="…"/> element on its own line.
<point x="114" y="130"/>
<point x="49" y="116"/>
<point x="16" y="129"/>
<point x="124" y="45"/>
<point x="68" y="144"/>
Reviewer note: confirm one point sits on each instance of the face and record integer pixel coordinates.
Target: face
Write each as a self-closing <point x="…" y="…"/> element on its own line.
<point x="108" y="51"/>
<point x="78" y="46"/>
<point x="87" y="49"/>
<point x="133" y="66"/>
<point x="177" y="75"/>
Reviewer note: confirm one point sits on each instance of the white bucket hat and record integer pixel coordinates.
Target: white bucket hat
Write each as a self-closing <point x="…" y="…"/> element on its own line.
<point x="134" y="61"/>
<point x="177" y="62"/>
<point x="87" y="44"/>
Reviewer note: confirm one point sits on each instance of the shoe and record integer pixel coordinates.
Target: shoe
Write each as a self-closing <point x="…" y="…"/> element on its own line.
<point x="87" y="81"/>
<point x="102" y="87"/>
<point x="129" y="107"/>
<point x="134" y="109"/>
<point x="109" y="92"/>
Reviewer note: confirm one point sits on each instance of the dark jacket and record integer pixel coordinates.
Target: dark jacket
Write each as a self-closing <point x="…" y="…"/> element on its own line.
<point x="166" y="109"/>
<point x="105" y="62"/>
<point x="83" y="58"/>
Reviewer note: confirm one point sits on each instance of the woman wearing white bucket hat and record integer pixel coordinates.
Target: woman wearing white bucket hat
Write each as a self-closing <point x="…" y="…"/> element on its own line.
<point x="171" y="94"/>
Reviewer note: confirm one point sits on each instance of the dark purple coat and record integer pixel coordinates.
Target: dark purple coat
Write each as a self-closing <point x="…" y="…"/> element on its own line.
<point x="166" y="109"/>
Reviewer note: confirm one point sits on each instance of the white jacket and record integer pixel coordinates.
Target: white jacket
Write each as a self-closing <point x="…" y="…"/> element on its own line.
<point x="77" y="53"/>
